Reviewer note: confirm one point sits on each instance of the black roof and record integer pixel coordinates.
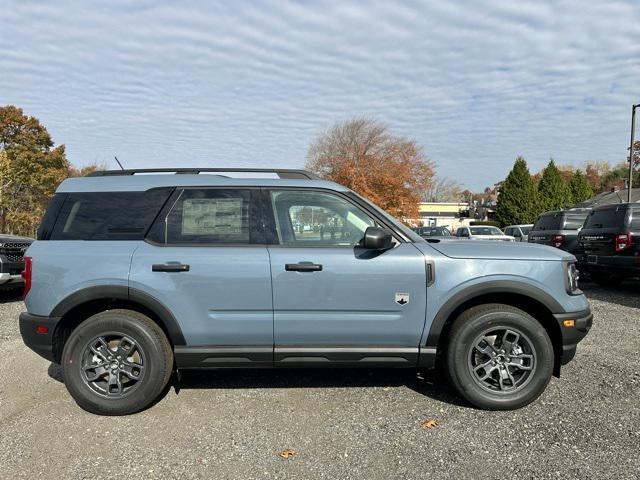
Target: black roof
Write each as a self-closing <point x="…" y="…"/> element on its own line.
<point x="609" y="198"/>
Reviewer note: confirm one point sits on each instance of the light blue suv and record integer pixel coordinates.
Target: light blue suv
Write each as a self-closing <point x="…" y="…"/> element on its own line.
<point x="136" y="274"/>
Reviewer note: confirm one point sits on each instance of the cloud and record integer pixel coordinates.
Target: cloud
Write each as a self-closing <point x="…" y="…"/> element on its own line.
<point x="252" y="83"/>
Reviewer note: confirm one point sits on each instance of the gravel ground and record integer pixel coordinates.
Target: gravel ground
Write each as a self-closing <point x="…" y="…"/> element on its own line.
<point x="341" y="424"/>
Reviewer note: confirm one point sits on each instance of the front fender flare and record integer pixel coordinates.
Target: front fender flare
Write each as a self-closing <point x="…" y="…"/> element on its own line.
<point x="484" y="288"/>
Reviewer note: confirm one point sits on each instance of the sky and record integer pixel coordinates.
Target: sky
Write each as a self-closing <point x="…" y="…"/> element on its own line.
<point x="252" y="83"/>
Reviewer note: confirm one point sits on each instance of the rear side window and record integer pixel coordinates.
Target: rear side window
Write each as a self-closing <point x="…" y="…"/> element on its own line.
<point x="548" y="222"/>
<point x="208" y="217"/>
<point x="606" y="218"/>
<point x="108" y="215"/>
<point x="635" y="219"/>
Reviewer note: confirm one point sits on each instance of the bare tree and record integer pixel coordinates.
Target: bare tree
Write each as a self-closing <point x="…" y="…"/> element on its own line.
<point x="443" y="190"/>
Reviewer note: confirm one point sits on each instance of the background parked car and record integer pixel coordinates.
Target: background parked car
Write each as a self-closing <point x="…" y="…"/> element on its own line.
<point x="431" y="232"/>
<point x="610" y="243"/>
<point x="12" y="250"/>
<point x="559" y="229"/>
<point x="483" y="233"/>
<point x="519" y="232"/>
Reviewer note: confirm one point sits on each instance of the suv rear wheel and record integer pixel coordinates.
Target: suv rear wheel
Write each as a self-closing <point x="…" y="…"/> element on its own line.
<point x="499" y="357"/>
<point x="117" y="362"/>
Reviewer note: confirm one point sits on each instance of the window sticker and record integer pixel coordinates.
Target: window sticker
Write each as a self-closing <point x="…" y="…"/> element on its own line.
<point x="212" y="216"/>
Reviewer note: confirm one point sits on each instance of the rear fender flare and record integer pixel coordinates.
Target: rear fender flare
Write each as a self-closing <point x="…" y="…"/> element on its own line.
<point x="122" y="292"/>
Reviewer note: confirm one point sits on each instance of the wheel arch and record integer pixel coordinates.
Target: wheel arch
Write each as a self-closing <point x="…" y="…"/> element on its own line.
<point x="84" y="303"/>
<point x="536" y="302"/>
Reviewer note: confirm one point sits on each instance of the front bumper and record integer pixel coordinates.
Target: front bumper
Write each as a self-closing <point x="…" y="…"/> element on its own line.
<point x="10" y="272"/>
<point x="35" y="338"/>
<point x="572" y="335"/>
<point x="619" y="264"/>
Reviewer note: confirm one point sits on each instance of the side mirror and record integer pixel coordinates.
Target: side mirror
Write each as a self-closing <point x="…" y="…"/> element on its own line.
<point x="376" y="238"/>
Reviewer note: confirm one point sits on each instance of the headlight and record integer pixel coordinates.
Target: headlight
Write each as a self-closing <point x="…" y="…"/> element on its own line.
<point x="572" y="275"/>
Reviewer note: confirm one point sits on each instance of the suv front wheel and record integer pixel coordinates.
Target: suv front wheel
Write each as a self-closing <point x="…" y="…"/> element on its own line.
<point x="117" y="362"/>
<point x="499" y="357"/>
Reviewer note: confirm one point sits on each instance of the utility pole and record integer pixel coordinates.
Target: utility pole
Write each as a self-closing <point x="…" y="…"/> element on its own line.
<point x="633" y="129"/>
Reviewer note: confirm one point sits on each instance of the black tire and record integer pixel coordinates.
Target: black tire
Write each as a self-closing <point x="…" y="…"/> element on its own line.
<point x="605" y="279"/>
<point x="151" y="363"/>
<point x="533" y="343"/>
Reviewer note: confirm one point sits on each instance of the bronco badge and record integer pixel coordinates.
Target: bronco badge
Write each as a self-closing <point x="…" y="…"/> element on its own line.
<point x="402" y="298"/>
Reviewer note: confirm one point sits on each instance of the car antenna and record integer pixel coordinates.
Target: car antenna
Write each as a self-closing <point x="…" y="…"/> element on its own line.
<point x="121" y="167"/>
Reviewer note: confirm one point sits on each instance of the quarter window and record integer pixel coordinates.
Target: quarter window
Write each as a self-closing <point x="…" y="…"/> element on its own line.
<point x="107" y="215"/>
<point x="310" y="218"/>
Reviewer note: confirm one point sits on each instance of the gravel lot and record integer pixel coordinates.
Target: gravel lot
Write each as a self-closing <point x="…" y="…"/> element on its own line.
<point x="341" y="423"/>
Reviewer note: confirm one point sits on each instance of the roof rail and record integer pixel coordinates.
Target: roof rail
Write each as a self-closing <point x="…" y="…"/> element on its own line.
<point x="282" y="173"/>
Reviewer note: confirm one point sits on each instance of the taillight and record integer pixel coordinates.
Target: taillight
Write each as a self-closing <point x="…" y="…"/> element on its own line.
<point x="26" y="274"/>
<point x="622" y="242"/>
<point x="42" y="329"/>
<point x="557" y="240"/>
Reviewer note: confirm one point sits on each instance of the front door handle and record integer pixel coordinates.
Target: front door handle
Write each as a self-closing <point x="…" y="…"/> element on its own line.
<point x="169" y="267"/>
<point x="303" y="267"/>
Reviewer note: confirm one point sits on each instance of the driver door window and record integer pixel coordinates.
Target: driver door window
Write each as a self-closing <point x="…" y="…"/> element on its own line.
<point x="311" y="218"/>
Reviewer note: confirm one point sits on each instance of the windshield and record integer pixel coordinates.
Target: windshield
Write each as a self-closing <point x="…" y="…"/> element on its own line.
<point x="485" y="231"/>
<point x="606" y="218"/>
<point x="525" y="230"/>
<point x="435" y="231"/>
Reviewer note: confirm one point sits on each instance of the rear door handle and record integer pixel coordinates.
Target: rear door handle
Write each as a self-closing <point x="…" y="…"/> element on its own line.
<point x="169" y="267"/>
<point x="303" y="267"/>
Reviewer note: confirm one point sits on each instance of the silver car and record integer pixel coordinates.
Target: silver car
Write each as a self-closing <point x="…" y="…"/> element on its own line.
<point x="483" y="232"/>
<point x="519" y="232"/>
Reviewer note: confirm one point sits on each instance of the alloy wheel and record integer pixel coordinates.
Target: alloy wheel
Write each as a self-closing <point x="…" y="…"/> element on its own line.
<point x="502" y="360"/>
<point x="113" y="365"/>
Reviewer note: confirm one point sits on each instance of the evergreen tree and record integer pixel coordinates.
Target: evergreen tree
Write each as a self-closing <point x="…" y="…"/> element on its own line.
<point x="553" y="191"/>
<point x="518" y="197"/>
<point x="580" y="188"/>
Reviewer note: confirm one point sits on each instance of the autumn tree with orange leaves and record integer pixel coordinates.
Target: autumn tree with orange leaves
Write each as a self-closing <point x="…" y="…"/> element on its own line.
<point x="31" y="168"/>
<point x="363" y="155"/>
